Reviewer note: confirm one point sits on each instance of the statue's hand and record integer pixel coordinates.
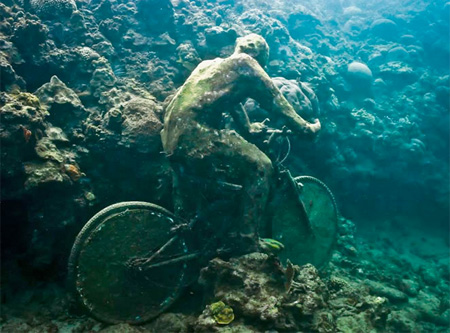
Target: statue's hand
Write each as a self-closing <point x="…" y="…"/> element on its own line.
<point x="256" y="128"/>
<point x="315" y="126"/>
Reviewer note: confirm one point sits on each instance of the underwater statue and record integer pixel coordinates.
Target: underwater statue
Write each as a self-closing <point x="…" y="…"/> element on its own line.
<point x="229" y="199"/>
<point x="220" y="175"/>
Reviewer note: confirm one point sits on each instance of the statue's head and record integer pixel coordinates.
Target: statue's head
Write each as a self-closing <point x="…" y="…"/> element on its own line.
<point x="255" y="46"/>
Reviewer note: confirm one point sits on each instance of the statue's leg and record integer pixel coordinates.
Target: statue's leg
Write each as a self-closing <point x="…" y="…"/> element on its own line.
<point x="229" y="173"/>
<point x="254" y="170"/>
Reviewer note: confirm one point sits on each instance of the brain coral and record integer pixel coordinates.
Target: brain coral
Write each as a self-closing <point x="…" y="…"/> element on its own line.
<point x="49" y="9"/>
<point x="358" y="74"/>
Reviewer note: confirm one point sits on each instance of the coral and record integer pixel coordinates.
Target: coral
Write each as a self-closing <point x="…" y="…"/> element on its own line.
<point x="222" y="313"/>
<point x="53" y="9"/>
<point x="359" y="76"/>
<point x="384" y="28"/>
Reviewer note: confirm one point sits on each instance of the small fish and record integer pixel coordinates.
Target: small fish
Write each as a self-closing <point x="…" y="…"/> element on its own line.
<point x="73" y="171"/>
<point x="26" y="134"/>
<point x="271" y="245"/>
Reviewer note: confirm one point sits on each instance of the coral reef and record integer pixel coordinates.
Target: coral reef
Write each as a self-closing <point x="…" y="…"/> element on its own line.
<point x="83" y="89"/>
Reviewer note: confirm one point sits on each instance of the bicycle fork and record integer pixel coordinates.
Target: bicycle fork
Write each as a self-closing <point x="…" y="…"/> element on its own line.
<point x="297" y="190"/>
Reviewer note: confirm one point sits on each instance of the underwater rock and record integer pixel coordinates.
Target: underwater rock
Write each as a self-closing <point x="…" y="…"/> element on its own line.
<point x="410" y="287"/>
<point x="384" y="28"/>
<point x="443" y="96"/>
<point x="310" y="292"/>
<point x="429" y="275"/>
<point x="157" y="16"/>
<point x="428" y="307"/>
<point x="188" y="56"/>
<point x="402" y="321"/>
<point x="398" y="73"/>
<point x="217" y="37"/>
<point x="303" y="23"/>
<point x="113" y="29"/>
<point x="397" y="53"/>
<point x="20" y="112"/>
<point x="40" y="174"/>
<point x="141" y="126"/>
<point x="244" y="285"/>
<point x="56" y="134"/>
<point x="355" y="323"/>
<point x="408" y="39"/>
<point x="85" y="60"/>
<point x="47" y="150"/>
<point x="379" y="289"/>
<point x="170" y="322"/>
<point x="102" y="78"/>
<point x="9" y="79"/>
<point x="105" y="49"/>
<point x="21" y="124"/>
<point x="52" y="9"/>
<point x="64" y="106"/>
<point x="254" y="286"/>
<point x="299" y="94"/>
<point x="28" y="34"/>
<point x="352" y="11"/>
<point x="121" y="328"/>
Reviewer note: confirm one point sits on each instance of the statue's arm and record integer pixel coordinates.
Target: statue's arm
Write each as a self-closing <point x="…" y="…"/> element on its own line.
<point x="262" y="89"/>
<point x="241" y="118"/>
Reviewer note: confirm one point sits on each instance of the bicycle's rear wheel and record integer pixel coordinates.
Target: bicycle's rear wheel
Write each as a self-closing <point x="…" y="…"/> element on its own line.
<point x="305" y="243"/>
<point x="99" y="269"/>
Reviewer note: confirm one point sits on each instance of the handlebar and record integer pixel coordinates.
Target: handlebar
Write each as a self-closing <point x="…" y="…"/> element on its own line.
<point x="273" y="133"/>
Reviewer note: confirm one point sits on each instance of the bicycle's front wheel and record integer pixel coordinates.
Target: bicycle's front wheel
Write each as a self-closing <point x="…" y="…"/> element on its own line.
<point x="101" y="272"/>
<point x="307" y="226"/>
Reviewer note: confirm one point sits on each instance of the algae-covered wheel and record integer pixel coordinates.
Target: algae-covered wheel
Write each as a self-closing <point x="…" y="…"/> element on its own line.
<point x="310" y="238"/>
<point x="106" y="265"/>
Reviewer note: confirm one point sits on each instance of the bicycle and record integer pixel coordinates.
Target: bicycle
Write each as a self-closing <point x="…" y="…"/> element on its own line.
<point x="155" y="254"/>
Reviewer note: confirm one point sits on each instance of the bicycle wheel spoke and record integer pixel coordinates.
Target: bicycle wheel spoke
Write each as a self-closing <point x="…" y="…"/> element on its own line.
<point x="183" y="258"/>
